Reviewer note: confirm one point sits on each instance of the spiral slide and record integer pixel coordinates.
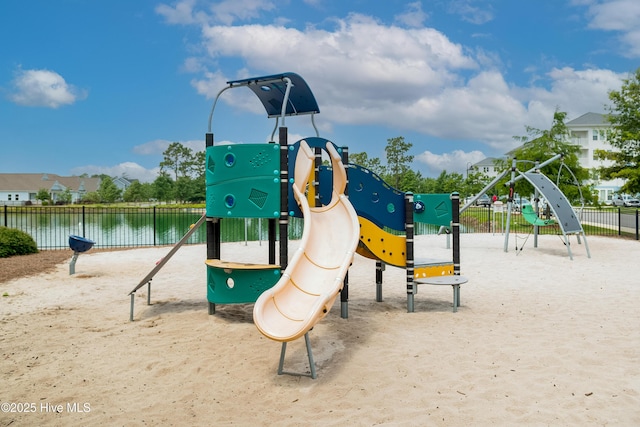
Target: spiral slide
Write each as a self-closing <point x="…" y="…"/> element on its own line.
<point x="314" y="276"/>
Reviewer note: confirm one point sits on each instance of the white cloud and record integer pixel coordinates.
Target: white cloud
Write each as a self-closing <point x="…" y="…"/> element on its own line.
<point x="181" y="13"/>
<point x="456" y="161"/>
<point x="576" y="91"/>
<point x="414" y="15"/>
<point x="405" y="78"/>
<point x="471" y="13"/>
<point x="225" y="12"/>
<point x="194" y="144"/>
<point x="130" y="170"/>
<point x="154" y="147"/>
<point x="363" y="72"/>
<point x="43" y="88"/>
<point x="228" y="11"/>
<point x="193" y="65"/>
<point x="370" y="61"/>
<point x="621" y="16"/>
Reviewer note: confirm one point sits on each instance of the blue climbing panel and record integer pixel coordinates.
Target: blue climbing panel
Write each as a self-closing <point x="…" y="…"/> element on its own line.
<point x="374" y="199"/>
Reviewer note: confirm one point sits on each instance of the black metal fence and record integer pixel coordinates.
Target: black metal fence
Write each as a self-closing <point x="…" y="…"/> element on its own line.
<point x="608" y="221"/>
<point x="50" y="226"/>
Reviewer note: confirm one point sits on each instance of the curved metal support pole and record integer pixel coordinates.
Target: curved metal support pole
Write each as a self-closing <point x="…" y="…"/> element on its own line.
<point x="72" y="264"/>
<point x="213" y="107"/>
<point x="285" y="100"/>
<point x="273" y="133"/>
<point x="313" y="123"/>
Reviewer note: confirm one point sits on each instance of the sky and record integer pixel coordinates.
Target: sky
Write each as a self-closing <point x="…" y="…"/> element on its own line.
<point x="105" y="86"/>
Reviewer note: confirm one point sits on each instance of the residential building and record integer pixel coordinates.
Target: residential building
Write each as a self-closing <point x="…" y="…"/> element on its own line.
<point x="487" y="167"/>
<point x="591" y="131"/>
<point x="122" y="183"/>
<point x="20" y="188"/>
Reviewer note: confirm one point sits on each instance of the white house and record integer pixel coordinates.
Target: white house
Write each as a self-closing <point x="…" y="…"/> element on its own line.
<point x="590" y="131"/>
<point x="20" y="188"/>
<point x="122" y="183"/>
<point x="487" y="167"/>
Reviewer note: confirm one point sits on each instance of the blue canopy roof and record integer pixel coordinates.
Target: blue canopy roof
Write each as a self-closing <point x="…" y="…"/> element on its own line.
<point x="271" y="92"/>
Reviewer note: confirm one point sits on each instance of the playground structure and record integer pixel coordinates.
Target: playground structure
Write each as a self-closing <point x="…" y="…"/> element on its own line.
<point x="564" y="215"/>
<point x="346" y="209"/>
<point x="276" y="181"/>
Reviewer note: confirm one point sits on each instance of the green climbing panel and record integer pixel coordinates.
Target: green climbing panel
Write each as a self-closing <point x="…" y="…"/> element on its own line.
<point x="239" y="285"/>
<point x="243" y="181"/>
<point x="435" y="209"/>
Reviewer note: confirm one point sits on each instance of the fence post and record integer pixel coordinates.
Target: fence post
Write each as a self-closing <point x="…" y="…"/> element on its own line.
<point x="637" y="231"/>
<point x="84" y="234"/>
<point x="154" y="225"/>
<point x="619" y="222"/>
<point x="5" y="216"/>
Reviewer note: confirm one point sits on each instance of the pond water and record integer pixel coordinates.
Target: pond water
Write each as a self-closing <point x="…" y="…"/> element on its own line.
<point x="132" y="227"/>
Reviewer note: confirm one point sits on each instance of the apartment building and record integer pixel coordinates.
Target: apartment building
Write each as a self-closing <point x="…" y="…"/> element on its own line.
<point x="590" y="131"/>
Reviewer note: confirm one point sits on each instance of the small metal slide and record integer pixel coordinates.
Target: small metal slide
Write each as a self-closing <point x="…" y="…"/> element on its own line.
<point x="314" y="276"/>
<point x="147" y="279"/>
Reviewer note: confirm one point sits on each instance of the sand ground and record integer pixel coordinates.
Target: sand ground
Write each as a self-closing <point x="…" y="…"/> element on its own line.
<point x="539" y="340"/>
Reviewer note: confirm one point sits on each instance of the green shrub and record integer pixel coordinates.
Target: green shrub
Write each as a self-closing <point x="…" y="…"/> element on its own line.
<point x="16" y="242"/>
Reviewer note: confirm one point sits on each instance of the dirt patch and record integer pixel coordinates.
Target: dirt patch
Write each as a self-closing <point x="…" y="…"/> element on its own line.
<point x="28" y="265"/>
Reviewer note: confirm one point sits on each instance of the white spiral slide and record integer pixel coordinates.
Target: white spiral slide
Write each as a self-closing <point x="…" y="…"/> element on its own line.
<point x="315" y="275"/>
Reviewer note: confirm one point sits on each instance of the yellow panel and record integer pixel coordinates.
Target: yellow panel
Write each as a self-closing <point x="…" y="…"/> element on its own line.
<point x="387" y="247"/>
<point x="432" y="270"/>
<point x="363" y="251"/>
<point x="311" y="189"/>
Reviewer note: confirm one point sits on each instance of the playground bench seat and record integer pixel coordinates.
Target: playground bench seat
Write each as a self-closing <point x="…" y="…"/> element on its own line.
<point x="230" y="265"/>
<point x="453" y="281"/>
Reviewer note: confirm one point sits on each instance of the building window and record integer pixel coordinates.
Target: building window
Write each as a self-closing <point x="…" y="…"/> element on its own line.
<point x="17" y="197"/>
<point x="9" y="197"/>
<point x="595" y="135"/>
